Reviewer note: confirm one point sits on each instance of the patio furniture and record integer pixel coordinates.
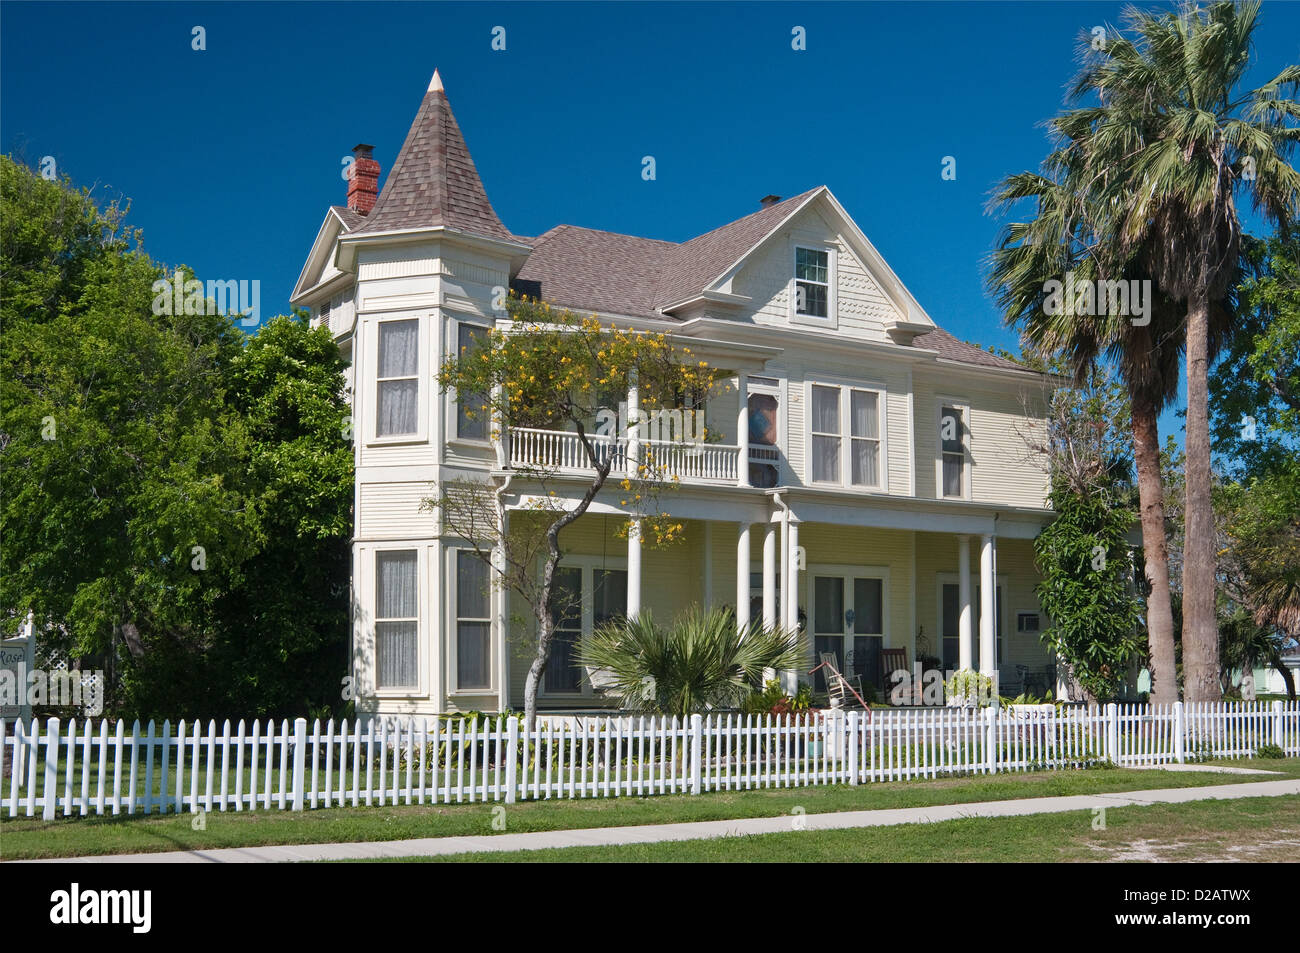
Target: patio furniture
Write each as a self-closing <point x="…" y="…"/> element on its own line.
<point x="843" y="691"/>
<point x="891" y="660"/>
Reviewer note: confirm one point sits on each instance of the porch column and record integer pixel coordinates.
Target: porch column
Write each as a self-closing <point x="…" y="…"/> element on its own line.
<point x="965" y="644"/>
<point x="742" y="578"/>
<point x="742" y="430"/>
<point x="988" y="613"/>
<point x="792" y="603"/>
<point x="784" y="591"/>
<point x="634" y="569"/>
<point x="769" y="575"/>
<point x="633" y="435"/>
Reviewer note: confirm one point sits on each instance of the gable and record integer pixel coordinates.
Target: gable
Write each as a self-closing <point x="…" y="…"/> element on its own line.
<point x="319" y="267"/>
<point x="865" y="303"/>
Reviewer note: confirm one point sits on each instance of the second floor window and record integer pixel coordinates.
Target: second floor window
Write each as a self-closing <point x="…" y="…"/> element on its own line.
<point x="812" y="282"/>
<point x="832" y="441"/>
<point x="471" y="409"/>
<point x="952" y="446"/>
<point x="825" y="434"/>
<point x="398" y="387"/>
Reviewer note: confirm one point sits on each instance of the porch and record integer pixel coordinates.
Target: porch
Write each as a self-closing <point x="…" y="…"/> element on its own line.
<point x="867" y="594"/>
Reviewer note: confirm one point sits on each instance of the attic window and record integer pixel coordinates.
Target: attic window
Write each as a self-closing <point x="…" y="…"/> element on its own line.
<point x="812" y="282"/>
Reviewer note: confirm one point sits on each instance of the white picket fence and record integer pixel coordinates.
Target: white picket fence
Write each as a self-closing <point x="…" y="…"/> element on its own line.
<point x="81" y="770"/>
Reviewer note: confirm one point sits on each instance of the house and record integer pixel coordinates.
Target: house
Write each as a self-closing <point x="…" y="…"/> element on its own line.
<point x="872" y="483"/>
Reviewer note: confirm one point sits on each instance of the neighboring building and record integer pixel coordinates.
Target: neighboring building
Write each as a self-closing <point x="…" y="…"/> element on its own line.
<point x="833" y="480"/>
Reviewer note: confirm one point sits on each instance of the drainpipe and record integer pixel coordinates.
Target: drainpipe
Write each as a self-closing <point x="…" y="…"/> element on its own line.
<point x="502" y="594"/>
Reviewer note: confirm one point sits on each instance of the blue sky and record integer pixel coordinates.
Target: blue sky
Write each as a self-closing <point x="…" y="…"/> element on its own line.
<point x="230" y="155"/>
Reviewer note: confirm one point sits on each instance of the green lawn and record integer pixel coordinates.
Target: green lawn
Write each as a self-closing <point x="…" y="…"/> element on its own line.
<point x="23" y="837"/>
<point x="1253" y="829"/>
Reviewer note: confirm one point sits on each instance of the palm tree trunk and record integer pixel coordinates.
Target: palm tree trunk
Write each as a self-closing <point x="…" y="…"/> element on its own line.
<point x="1200" y="628"/>
<point x="1160" y="617"/>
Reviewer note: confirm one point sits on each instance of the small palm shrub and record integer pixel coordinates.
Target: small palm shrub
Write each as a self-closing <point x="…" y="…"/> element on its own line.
<point x="698" y="662"/>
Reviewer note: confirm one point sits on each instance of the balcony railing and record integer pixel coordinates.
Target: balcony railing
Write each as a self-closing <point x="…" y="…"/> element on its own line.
<point x="562" y="451"/>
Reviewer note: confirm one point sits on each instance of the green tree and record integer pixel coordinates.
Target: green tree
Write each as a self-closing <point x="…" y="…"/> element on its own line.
<point x="158" y="474"/>
<point x="1174" y="140"/>
<point x="1086" y="589"/>
<point x="1071" y="238"/>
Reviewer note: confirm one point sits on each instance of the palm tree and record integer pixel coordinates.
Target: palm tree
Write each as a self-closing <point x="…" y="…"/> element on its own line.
<point x="701" y="661"/>
<point x="1171" y="143"/>
<point x="1072" y="233"/>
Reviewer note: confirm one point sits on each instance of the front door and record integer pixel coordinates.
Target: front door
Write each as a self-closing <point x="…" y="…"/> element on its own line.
<point x="848" y="621"/>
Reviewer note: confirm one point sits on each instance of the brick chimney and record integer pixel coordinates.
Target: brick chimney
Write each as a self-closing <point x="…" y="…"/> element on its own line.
<point x="767" y="201"/>
<point x="363" y="186"/>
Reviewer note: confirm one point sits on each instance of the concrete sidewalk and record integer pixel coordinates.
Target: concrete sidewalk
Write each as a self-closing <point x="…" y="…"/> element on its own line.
<point x="650" y="833"/>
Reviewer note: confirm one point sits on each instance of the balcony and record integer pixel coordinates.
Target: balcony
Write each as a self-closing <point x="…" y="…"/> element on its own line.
<point x="562" y="452"/>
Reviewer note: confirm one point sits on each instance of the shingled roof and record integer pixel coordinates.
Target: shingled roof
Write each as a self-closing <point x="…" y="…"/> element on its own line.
<point x="433" y="182"/>
<point x="955" y="349"/>
<point x="351" y="220"/>
<point x="696" y="263"/>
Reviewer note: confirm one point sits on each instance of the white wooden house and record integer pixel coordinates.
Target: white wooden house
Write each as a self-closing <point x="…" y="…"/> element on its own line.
<point x="833" y="498"/>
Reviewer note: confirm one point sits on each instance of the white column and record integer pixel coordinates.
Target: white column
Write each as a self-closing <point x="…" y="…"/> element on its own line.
<point x="634" y="569"/>
<point x="988" y="613"/>
<point x="499" y="431"/>
<point x="742" y="577"/>
<point x="633" y="435"/>
<point x="784" y="590"/>
<point x="792" y="611"/>
<point x="965" y="644"/>
<point x="742" y="430"/>
<point x="769" y="575"/>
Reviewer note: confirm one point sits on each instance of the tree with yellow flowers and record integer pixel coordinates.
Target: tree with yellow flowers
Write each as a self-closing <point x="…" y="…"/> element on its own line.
<point x="549" y="369"/>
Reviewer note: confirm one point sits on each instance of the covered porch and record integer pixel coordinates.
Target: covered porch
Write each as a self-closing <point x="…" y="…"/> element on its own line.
<point x="870" y="586"/>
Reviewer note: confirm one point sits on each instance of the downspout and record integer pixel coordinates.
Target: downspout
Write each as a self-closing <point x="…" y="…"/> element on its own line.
<point x="502" y="595"/>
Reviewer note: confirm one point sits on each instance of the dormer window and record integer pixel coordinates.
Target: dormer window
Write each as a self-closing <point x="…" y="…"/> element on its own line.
<point x="812" y="282"/>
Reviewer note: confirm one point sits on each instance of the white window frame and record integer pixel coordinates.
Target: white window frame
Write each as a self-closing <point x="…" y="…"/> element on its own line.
<point x="832" y="280"/>
<point x="452" y="402"/>
<point x="846" y="389"/>
<point x="963" y="405"/>
<point x="370" y="420"/>
<point x="369" y="558"/>
<point x="454" y="618"/>
<point x="588" y="565"/>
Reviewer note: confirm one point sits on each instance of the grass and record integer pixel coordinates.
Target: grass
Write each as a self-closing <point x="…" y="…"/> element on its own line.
<point x="1250" y="829"/>
<point x="23" y="838"/>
